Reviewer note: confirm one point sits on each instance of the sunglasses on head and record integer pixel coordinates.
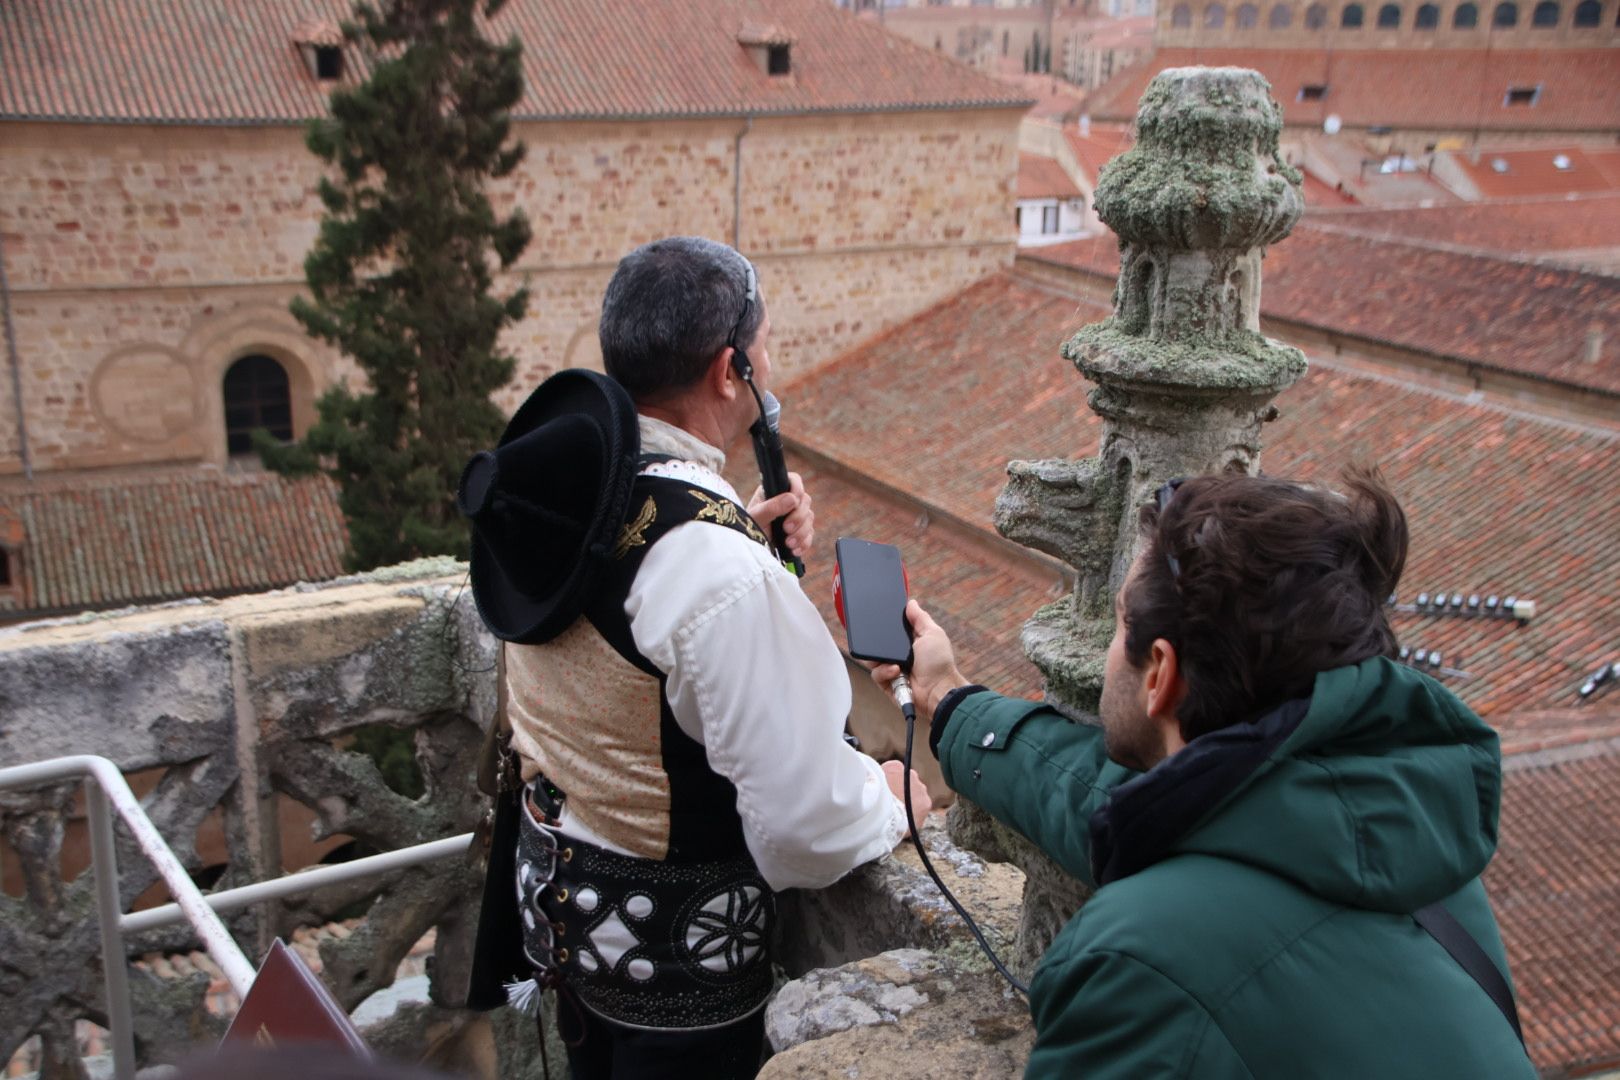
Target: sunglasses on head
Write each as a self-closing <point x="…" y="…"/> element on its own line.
<point x="1161" y="500"/>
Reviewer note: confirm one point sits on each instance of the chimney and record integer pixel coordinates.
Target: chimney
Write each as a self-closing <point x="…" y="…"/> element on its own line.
<point x="1594" y="344"/>
<point x="1085" y="125"/>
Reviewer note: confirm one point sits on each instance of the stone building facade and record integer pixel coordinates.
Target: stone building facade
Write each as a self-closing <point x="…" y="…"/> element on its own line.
<point x="1397" y="24"/>
<point x="154" y="228"/>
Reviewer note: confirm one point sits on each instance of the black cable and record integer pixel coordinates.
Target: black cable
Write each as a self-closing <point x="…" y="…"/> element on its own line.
<point x="903" y="693"/>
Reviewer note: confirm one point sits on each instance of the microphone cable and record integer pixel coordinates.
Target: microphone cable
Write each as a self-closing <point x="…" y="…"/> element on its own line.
<point x="902" y="694"/>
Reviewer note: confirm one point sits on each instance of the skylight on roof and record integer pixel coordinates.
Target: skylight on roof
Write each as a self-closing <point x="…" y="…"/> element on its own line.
<point x="1499" y="165"/>
<point x="1562" y="163"/>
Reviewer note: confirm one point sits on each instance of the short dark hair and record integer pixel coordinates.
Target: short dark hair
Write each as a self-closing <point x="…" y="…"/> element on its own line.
<point x="671" y="306"/>
<point x="1272" y="583"/>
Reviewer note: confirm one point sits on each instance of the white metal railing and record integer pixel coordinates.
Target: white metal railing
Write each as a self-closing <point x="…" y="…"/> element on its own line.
<point x="104" y="784"/>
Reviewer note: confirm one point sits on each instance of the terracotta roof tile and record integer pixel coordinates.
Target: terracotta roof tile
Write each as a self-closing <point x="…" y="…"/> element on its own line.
<point x="1513" y="227"/>
<point x="235" y="61"/>
<point x="1536" y="172"/>
<point x="1532" y="320"/>
<point x="1414" y="88"/>
<point x="1492" y="496"/>
<point x="1555" y="887"/>
<point x="1100" y="145"/>
<point x="124" y="539"/>
<point x="1043" y="178"/>
<point x="1318" y="195"/>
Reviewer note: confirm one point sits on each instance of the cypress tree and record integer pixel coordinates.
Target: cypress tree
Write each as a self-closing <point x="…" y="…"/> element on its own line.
<point x="401" y="275"/>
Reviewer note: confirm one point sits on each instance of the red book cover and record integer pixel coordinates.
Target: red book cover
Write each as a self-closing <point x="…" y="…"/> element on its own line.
<point x="288" y="1003"/>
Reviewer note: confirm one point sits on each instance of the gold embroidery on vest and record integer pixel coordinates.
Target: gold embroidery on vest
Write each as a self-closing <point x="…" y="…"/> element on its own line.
<point x="634" y="533"/>
<point x="724" y="512"/>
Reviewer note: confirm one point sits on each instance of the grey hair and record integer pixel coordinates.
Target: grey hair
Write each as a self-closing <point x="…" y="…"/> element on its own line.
<point x="670" y="308"/>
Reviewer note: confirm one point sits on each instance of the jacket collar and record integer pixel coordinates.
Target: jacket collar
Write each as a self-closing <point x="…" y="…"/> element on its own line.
<point x="1144" y="817"/>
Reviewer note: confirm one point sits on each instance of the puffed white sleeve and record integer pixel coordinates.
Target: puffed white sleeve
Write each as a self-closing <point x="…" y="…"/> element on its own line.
<point x="755" y="677"/>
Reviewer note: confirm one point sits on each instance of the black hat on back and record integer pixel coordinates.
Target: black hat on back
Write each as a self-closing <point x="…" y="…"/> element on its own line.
<point x="547" y="504"/>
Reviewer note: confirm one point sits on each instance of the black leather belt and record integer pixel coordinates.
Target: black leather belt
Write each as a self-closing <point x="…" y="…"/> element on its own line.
<point x="642" y="942"/>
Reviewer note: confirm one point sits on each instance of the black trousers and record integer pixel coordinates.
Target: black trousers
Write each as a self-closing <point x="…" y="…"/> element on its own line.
<point x="607" y="1051"/>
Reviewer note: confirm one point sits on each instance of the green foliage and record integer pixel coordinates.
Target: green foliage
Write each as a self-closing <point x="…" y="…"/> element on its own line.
<point x="393" y="751"/>
<point x="401" y="276"/>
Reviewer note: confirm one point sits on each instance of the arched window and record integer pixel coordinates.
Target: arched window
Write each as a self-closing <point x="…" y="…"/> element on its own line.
<point x="1215" y="16"/>
<point x="1428" y="18"/>
<point x="1466" y="17"/>
<point x="1588" y="13"/>
<point x="1181" y="16"/>
<point x="1350" y="18"/>
<point x="1248" y="17"/>
<point x="1282" y="16"/>
<point x="1389" y="17"/>
<point x="1505" y="16"/>
<point x="257" y="395"/>
<point x="1315" y="17"/>
<point x="1545" y="15"/>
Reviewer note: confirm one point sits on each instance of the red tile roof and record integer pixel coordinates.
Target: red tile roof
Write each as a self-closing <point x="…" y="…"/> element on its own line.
<point x="1498" y="502"/>
<point x="1099" y="146"/>
<point x="1534" y="172"/>
<point x="105" y="541"/>
<point x="1043" y="178"/>
<point x="1318" y="195"/>
<point x="1519" y="227"/>
<point x="1476" y="308"/>
<point x="234" y="61"/>
<point x="1412" y="88"/>
<point x="1555" y="887"/>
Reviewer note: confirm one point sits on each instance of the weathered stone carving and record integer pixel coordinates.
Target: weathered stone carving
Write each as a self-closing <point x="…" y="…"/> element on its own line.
<point x="240" y="701"/>
<point x="1184" y="381"/>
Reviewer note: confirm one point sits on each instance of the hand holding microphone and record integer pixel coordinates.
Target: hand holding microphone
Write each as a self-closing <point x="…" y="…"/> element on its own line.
<point x="777" y="481"/>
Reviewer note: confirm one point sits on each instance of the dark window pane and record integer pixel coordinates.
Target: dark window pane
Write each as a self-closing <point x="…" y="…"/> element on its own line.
<point x="257" y="394"/>
<point x="1466" y="17"/>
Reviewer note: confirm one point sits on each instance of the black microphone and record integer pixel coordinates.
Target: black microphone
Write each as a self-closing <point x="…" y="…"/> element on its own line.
<point x="773" y="473"/>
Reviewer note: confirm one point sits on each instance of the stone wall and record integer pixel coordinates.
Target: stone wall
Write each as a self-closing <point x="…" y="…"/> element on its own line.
<point x="144" y="260"/>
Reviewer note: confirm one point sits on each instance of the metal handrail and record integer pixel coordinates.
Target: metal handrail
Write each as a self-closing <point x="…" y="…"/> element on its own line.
<point x="104" y="783"/>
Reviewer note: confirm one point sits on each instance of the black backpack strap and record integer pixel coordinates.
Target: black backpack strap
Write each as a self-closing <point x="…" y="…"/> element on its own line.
<point x="1456" y="940"/>
<point x="657" y="505"/>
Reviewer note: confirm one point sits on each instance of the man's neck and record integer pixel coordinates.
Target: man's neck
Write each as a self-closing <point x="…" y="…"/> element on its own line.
<point x="699" y="422"/>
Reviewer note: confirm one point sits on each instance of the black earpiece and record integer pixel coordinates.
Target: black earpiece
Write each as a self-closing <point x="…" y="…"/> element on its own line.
<point x="739" y="359"/>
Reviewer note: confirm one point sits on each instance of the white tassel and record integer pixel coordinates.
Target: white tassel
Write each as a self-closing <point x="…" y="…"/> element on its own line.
<point x="524" y="996"/>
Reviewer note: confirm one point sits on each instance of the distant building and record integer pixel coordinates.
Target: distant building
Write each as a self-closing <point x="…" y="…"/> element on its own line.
<point x="157" y="210"/>
<point x="1051" y="206"/>
<point x="1459" y="69"/>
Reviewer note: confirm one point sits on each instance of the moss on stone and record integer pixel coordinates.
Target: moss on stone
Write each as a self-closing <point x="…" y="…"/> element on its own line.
<point x="1206" y="170"/>
<point x="1237" y="361"/>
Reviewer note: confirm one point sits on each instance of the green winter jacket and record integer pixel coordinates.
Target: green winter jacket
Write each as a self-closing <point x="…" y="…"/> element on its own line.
<point x="1254" y="917"/>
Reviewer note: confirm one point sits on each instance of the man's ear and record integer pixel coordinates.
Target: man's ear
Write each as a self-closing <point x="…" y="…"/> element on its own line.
<point x="1165" y="688"/>
<point x="1163" y="681"/>
<point x="722" y="376"/>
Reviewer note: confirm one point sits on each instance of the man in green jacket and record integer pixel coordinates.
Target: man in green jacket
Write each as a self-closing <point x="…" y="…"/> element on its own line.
<point x="1268" y="801"/>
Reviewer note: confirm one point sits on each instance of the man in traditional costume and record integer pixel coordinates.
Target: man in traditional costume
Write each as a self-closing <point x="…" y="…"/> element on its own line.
<point x="676" y="705"/>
